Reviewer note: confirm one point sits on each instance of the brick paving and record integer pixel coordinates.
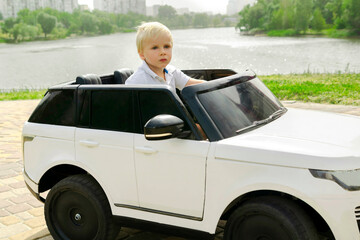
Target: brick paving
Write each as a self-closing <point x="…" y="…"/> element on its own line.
<point x="21" y="215"/>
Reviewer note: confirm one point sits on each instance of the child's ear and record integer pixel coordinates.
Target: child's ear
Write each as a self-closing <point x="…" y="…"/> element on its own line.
<point x="141" y="54"/>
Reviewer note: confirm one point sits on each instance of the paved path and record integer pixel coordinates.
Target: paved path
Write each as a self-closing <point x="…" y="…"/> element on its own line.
<point x="21" y="215"/>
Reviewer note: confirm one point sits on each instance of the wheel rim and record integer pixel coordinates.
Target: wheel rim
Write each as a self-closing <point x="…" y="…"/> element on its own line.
<point x="260" y="227"/>
<point x="73" y="216"/>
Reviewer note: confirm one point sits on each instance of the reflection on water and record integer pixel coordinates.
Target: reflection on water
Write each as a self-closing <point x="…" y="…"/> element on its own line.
<point x="43" y="64"/>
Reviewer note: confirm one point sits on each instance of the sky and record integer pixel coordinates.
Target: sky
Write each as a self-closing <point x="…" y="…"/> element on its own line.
<point x="214" y="6"/>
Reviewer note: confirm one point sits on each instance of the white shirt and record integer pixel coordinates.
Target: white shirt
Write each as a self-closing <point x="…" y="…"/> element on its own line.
<point x="173" y="77"/>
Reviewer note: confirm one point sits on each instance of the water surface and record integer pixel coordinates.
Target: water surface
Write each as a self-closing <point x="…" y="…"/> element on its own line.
<point x="46" y="63"/>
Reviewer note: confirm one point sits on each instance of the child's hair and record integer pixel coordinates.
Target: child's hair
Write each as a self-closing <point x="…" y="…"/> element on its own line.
<point x="150" y="30"/>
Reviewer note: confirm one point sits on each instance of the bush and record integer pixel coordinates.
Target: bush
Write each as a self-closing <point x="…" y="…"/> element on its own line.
<point x="59" y="32"/>
<point x="256" y="31"/>
<point x="340" y="33"/>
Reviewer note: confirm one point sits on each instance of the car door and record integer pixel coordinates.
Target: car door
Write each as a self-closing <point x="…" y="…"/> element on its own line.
<point x="170" y="173"/>
<point x="104" y="142"/>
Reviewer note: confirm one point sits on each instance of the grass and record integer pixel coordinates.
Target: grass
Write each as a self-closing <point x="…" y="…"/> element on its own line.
<point x="282" y="33"/>
<point x="21" y="94"/>
<point x="340" y="33"/>
<point x="338" y="88"/>
<point x="332" y="33"/>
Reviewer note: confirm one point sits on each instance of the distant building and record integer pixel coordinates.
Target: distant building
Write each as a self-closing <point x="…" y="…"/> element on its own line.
<point x="121" y="6"/>
<point x="149" y="11"/>
<point x="153" y="10"/>
<point x="84" y="7"/>
<point x="235" y="6"/>
<point x="3" y="7"/>
<point x="10" y="8"/>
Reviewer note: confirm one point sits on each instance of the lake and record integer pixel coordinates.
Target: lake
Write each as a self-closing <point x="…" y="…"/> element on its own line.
<point x="46" y="63"/>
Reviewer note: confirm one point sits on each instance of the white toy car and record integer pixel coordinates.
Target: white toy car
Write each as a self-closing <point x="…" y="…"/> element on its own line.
<point x="136" y="155"/>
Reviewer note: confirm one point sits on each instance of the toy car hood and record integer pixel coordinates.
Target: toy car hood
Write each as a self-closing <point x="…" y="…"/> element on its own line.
<point x="301" y="139"/>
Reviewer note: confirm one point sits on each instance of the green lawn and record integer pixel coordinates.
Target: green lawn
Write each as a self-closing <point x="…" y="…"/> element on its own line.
<point x="339" y="88"/>
<point x="319" y="88"/>
<point x="21" y="94"/>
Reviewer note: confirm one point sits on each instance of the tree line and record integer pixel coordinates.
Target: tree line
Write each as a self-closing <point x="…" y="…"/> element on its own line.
<point x="52" y="24"/>
<point x="301" y="16"/>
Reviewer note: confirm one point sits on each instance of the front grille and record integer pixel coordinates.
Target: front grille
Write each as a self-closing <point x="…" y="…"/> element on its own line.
<point x="357" y="216"/>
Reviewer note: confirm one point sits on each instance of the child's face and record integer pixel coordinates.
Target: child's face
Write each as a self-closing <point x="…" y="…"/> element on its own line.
<point x="157" y="52"/>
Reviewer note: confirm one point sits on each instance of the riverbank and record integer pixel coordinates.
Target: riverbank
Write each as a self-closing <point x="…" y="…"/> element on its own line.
<point x="329" y="33"/>
<point x="7" y="38"/>
<point x="339" y="88"/>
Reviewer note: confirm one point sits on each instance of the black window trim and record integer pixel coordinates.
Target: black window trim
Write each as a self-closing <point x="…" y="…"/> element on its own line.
<point x="82" y="94"/>
<point x="59" y="89"/>
<point x="135" y="98"/>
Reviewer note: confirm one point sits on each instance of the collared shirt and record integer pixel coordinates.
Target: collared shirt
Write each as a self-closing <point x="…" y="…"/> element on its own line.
<point x="173" y="77"/>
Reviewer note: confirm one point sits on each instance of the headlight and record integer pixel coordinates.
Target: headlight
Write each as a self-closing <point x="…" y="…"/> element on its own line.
<point x="349" y="180"/>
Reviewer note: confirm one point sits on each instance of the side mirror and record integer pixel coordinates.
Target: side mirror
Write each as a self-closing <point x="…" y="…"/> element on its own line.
<point x="163" y="126"/>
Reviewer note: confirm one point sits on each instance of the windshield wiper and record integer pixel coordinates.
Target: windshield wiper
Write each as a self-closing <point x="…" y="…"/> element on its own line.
<point x="273" y="116"/>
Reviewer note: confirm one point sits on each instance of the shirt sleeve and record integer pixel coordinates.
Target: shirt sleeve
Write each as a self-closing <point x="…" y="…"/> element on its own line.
<point x="181" y="79"/>
<point x="136" y="78"/>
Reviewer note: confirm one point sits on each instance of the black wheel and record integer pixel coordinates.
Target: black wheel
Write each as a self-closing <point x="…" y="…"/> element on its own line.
<point x="269" y="218"/>
<point x="77" y="208"/>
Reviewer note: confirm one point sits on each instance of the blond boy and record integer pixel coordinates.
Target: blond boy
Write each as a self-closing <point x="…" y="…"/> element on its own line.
<point x="154" y="44"/>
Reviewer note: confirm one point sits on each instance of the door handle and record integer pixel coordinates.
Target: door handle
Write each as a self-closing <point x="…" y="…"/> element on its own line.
<point x="145" y="150"/>
<point x="88" y="143"/>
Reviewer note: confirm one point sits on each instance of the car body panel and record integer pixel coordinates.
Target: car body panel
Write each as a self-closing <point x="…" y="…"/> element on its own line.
<point x="174" y="166"/>
<point x="109" y="155"/>
<point x="50" y="146"/>
<point x="301" y="139"/>
<point x="243" y="177"/>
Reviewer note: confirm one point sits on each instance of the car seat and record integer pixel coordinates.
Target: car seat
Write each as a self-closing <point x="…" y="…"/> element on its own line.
<point x="121" y="75"/>
<point x="88" y="79"/>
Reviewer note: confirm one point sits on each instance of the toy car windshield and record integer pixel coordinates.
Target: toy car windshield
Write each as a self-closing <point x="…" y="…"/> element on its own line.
<point x="238" y="104"/>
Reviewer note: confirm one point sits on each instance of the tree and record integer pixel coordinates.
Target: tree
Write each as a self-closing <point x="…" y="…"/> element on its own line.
<point x="267" y="7"/>
<point x="26" y="16"/>
<point x="9" y="24"/>
<point x="88" y="22"/>
<point x="216" y="21"/>
<point x="21" y="31"/>
<point x="253" y="17"/>
<point x="28" y="31"/>
<point x="351" y="14"/>
<point x="47" y="22"/>
<point x="1" y="16"/>
<point x="288" y="16"/>
<point x="166" y="12"/>
<point x="65" y="18"/>
<point x="244" y="18"/>
<point x="201" y="20"/>
<point x="105" y="26"/>
<point x="335" y="8"/>
<point x="15" y="31"/>
<point x="277" y="20"/>
<point x="303" y="13"/>
<point x="318" y="21"/>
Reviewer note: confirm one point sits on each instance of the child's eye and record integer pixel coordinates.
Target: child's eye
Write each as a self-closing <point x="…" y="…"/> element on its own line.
<point x="154" y="48"/>
<point x="167" y="46"/>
